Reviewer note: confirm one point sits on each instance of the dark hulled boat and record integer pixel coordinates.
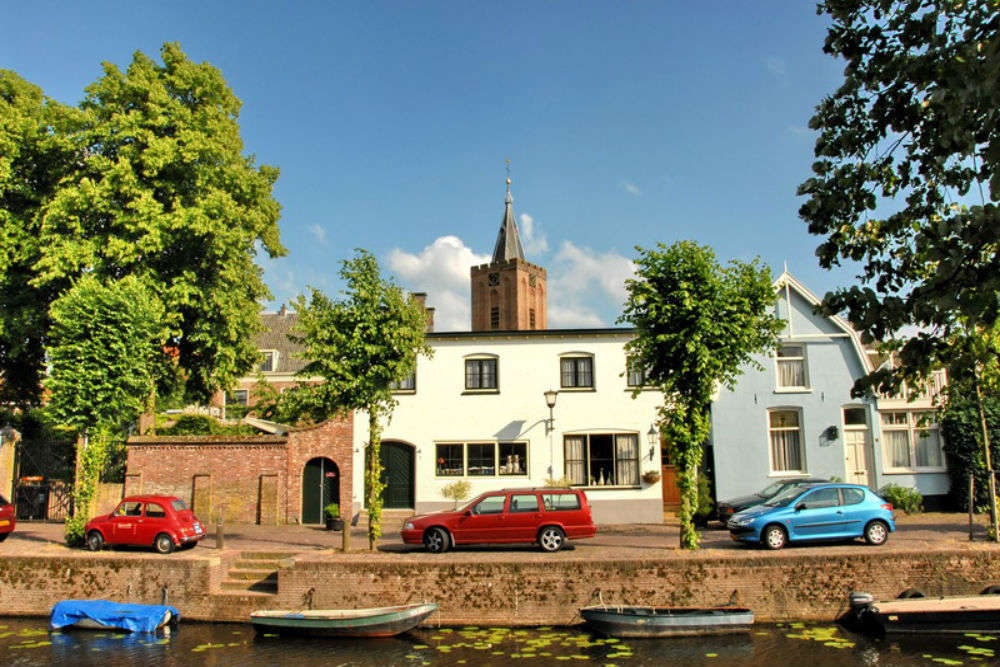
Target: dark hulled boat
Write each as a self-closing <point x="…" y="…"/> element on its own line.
<point x="615" y="621"/>
<point x="376" y="622"/>
<point x="924" y="615"/>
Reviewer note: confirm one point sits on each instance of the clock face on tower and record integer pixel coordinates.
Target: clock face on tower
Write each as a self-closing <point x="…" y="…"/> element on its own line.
<point x="532" y="279"/>
<point x="494" y="279"/>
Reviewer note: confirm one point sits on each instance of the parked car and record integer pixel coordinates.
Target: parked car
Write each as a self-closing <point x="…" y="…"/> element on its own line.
<point x="547" y="517"/>
<point x="163" y="522"/>
<point x="815" y="512"/>
<point x="7" y="520"/>
<point x="726" y="508"/>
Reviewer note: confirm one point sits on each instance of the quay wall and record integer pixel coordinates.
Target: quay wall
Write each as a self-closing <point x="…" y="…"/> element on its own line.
<point x="483" y="592"/>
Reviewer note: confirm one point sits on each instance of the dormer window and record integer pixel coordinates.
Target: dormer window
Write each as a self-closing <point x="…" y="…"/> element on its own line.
<point x="792" y="374"/>
<point x="269" y="361"/>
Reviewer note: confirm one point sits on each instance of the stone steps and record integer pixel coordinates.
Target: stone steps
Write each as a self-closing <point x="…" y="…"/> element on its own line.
<point x="254" y="572"/>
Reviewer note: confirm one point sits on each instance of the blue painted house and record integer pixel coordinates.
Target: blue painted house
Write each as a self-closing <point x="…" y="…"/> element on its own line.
<point x="797" y="417"/>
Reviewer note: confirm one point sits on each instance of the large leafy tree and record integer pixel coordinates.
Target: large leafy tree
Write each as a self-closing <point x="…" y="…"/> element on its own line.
<point x="906" y="180"/>
<point x="103" y="357"/>
<point x="359" y="345"/>
<point x="699" y="325"/>
<point x="147" y="178"/>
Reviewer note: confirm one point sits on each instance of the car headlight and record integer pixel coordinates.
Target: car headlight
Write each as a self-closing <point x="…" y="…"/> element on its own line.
<point x="408" y="525"/>
<point x="741" y="522"/>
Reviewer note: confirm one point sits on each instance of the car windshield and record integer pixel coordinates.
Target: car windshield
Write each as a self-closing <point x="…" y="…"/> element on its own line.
<point x="786" y="496"/>
<point x="771" y="489"/>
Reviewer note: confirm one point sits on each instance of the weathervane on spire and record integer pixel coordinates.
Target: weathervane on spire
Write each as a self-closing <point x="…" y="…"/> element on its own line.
<point x="508" y="176"/>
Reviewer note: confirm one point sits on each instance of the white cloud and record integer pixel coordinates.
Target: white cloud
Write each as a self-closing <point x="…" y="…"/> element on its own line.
<point x="776" y="66"/>
<point x="442" y="270"/>
<point x="631" y="188"/>
<point x="533" y="239"/>
<point x="573" y="318"/>
<point x="319" y="232"/>
<point x="580" y="270"/>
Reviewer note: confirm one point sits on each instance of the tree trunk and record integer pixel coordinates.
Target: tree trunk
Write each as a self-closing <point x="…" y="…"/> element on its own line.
<point x="995" y="534"/>
<point x="373" y="475"/>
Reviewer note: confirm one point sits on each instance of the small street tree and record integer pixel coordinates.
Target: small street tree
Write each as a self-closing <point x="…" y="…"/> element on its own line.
<point x="699" y="323"/>
<point x="103" y="353"/>
<point x="360" y="345"/>
<point x="906" y="180"/>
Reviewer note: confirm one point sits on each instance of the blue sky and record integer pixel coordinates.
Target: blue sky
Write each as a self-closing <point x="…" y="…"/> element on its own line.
<point x="626" y="123"/>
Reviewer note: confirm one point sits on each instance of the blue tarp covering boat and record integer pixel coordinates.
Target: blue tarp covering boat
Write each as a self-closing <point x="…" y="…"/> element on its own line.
<point x="104" y="615"/>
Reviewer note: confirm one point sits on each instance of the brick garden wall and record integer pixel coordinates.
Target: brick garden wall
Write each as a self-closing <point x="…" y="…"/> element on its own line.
<point x="242" y="479"/>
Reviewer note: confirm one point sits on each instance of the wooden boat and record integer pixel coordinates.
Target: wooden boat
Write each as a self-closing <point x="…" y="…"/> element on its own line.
<point x="376" y="622"/>
<point x="619" y="621"/>
<point x="925" y="615"/>
<point x="112" y="616"/>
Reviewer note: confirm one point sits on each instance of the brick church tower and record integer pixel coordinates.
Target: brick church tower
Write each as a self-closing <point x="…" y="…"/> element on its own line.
<point x="509" y="293"/>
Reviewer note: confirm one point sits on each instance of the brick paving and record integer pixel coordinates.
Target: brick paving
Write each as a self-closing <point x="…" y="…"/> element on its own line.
<point x="918" y="533"/>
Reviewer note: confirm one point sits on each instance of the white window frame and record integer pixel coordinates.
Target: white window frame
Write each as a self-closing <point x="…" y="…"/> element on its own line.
<point x="912" y="428"/>
<point x="587" y="460"/>
<point x="398" y="388"/>
<point x="497" y="464"/>
<point x="803" y="471"/>
<point x="274" y="361"/>
<point x="804" y="358"/>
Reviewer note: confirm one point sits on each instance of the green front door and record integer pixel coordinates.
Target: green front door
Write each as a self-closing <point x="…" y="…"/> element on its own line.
<point x="320" y="486"/>
<point x="397" y="474"/>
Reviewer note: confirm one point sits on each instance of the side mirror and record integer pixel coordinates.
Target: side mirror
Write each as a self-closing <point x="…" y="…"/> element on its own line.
<point x="800" y="506"/>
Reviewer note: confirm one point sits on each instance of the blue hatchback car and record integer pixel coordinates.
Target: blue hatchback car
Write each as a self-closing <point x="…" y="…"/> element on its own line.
<point x="815" y="512"/>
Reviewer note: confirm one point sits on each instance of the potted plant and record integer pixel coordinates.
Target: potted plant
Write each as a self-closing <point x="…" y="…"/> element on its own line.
<point x="332" y="514"/>
<point x="651" y="476"/>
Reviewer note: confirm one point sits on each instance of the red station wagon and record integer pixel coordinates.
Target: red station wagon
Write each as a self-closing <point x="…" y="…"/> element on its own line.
<point x="163" y="522"/>
<point x="7" y="521"/>
<point x="547" y="517"/>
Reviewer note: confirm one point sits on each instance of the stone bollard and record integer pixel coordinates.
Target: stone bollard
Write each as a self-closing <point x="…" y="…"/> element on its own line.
<point x="345" y="544"/>
<point x="220" y="539"/>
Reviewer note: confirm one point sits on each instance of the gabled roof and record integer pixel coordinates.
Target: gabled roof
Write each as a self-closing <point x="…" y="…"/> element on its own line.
<point x="508" y="244"/>
<point x="787" y="279"/>
<point x="274" y="336"/>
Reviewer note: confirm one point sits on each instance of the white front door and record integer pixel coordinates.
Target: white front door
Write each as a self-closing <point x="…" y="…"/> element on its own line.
<point x="858" y="454"/>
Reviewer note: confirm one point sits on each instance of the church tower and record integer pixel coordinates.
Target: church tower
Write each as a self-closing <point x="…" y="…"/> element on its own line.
<point x="509" y="293"/>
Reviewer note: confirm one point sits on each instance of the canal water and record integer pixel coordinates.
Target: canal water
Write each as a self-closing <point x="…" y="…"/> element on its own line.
<point x="28" y="642"/>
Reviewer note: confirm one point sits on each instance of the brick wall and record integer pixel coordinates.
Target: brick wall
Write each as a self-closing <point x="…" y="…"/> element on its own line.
<point x="243" y="479"/>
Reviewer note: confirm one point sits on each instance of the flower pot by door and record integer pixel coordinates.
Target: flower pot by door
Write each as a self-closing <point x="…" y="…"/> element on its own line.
<point x="335" y="524"/>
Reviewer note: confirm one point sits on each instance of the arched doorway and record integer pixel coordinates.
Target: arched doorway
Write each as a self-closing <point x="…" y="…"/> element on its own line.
<point x="320" y="487"/>
<point x="397" y="474"/>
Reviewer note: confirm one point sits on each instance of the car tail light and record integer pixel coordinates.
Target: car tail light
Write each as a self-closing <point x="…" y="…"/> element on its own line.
<point x="887" y="506"/>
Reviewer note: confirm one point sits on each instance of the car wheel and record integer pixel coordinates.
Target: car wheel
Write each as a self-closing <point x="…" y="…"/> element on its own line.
<point x="436" y="540"/>
<point x="774" y="537"/>
<point x="876" y="533"/>
<point x="3" y="536"/>
<point x="551" y="538"/>
<point x="95" y="541"/>
<point x="163" y="543"/>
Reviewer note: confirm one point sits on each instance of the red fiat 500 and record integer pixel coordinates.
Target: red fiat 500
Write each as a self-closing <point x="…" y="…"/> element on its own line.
<point x="547" y="517"/>
<point x="163" y="522"/>
<point x="7" y="521"/>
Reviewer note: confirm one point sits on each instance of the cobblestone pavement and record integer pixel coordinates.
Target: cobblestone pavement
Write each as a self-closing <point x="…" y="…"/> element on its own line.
<point x="919" y="533"/>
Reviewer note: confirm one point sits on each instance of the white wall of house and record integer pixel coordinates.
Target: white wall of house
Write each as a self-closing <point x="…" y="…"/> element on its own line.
<point x="443" y="411"/>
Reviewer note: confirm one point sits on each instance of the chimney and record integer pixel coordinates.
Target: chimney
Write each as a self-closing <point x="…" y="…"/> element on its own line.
<point x="421" y="298"/>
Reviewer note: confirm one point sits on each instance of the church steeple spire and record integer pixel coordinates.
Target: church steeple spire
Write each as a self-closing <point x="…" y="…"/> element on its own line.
<point x="508" y="245"/>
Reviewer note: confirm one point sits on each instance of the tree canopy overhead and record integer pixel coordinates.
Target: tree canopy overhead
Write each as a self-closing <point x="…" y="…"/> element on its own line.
<point x="699" y="323"/>
<point x="147" y="178"/>
<point x="907" y="176"/>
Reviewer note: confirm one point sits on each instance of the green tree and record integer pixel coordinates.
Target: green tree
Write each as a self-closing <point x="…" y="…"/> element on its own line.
<point x="102" y="353"/>
<point x="699" y="323"/>
<point x="147" y="179"/>
<point x="360" y="345"/>
<point x="906" y="179"/>
<point x="961" y="431"/>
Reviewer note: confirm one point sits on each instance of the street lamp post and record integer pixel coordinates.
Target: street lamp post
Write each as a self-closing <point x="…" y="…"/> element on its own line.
<point x="550" y="401"/>
<point x="653" y="436"/>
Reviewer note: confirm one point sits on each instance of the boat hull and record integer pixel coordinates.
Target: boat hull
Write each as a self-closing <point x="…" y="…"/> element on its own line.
<point x="945" y="615"/>
<point x="665" y="621"/>
<point x="381" y="622"/>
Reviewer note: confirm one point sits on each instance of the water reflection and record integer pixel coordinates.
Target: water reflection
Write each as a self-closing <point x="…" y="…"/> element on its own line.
<point x="28" y="642"/>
